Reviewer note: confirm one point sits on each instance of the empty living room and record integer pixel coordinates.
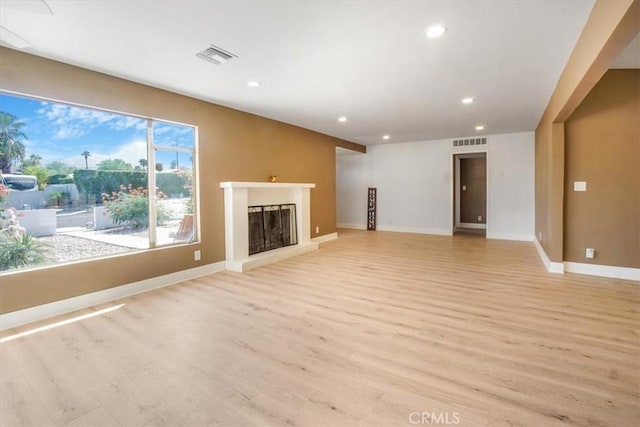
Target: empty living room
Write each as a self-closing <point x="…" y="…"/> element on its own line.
<point x="320" y="213"/>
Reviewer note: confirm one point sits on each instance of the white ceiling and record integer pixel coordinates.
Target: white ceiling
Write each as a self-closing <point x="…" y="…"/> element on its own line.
<point x="318" y="60"/>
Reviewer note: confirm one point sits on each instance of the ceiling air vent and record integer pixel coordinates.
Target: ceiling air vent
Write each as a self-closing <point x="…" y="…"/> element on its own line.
<point x="469" y="141"/>
<point x="216" y="55"/>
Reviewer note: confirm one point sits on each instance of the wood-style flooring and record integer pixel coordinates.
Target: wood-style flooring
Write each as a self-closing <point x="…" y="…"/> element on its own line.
<point x="374" y="329"/>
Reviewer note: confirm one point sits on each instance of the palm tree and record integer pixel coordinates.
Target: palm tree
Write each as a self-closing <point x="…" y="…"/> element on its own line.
<point x="143" y="163"/>
<point x="11" y="137"/>
<point x="33" y="160"/>
<point x="86" y="156"/>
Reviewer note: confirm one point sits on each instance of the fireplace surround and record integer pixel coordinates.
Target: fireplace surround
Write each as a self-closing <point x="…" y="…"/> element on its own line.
<point x="240" y="196"/>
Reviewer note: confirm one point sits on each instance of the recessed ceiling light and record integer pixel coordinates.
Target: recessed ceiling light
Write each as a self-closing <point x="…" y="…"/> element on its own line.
<point x="435" y="31"/>
<point x="253" y="84"/>
<point x="342" y="119"/>
<point x="468" y="100"/>
<point x="480" y="127"/>
<point x="385" y="137"/>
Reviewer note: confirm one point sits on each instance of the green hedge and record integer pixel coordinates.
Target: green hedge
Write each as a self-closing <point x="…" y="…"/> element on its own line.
<point x="97" y="182"/>
<point x="59" y="179"/>
<point x="171" y="184"/>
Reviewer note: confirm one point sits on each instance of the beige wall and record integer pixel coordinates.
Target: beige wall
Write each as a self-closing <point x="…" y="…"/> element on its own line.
<point x="609" y="29"/>
<point x="602" y="147"/>
<point x="233" y="146"/>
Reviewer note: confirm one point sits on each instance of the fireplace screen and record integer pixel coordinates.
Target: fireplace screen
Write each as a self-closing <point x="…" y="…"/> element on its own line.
<point x="271" y="227"/>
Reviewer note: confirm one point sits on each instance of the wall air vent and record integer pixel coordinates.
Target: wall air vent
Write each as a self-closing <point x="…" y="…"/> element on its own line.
<point x="469" y="141"/>
<point x="216" y="55"/>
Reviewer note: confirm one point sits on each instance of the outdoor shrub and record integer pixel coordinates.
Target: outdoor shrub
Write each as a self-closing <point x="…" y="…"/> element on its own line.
<point x="17" y="248"/>
<point x="130" y="207"/>
<point x="172" y="183"/>
<point x="41" y="174"/>
<point x="56" y="197"/>
<point x="16" y="252"/>
<point x="60" y="179"/>
<point x="91" y="181"/>
<point x="188" y="205"/>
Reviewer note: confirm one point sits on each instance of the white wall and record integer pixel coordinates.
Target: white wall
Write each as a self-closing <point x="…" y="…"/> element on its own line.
<point x="413" y="181"/>
<point x="511" y="186"/>
<point x="415" y="189"/>
<point x="351" y="195"/>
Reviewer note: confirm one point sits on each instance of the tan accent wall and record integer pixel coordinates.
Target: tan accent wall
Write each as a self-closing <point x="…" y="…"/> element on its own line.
<point x="473" y="200"/>
<point x="602" y="147"/>
<point x="233" y="146"/>
<point x="609" y="29"/>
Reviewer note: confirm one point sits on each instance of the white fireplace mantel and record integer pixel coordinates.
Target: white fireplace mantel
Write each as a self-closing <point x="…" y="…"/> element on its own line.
<point x="238" y="196"/>
<point x="235" y="184"/>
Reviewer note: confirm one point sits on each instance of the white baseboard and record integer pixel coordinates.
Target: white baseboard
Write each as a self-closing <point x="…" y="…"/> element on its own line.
<point x="611" y="271"/>
<point x="552" y="267"/>
<point x="56" y="308"/>
<point x="509" y="236"/>
<point x="603" y="270"/>
<point x="325" y="238"/>
<point x="472" y="225"/>
<point x="416" y="230"/>
<point x="275" y="255"/>
<point x="352" y="226"/>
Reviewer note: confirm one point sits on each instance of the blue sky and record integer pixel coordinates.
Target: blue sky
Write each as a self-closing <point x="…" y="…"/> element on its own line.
<point x="62" y="132"/>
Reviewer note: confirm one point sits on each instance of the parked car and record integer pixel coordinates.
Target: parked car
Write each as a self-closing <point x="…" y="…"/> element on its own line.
<point x="19" y="182"/>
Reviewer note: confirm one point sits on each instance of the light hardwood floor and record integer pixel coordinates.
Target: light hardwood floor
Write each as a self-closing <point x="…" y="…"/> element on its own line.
<point x="374" y="329"/>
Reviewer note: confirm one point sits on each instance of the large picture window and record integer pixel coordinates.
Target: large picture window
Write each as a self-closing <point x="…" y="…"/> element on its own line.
<point x="79" y="183"/>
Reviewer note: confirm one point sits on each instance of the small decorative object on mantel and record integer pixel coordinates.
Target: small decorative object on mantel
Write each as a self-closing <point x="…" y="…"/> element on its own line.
<point x="273" y="178"/>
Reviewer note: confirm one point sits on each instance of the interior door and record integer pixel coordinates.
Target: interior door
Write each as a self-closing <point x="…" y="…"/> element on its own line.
<point x="473" y="191"/>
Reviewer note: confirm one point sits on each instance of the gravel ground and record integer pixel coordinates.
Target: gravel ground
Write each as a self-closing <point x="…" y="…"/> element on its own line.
<point x="70" y="248"/>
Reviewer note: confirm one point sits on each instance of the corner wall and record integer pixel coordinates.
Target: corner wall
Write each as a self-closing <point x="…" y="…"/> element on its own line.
<point x="603" y="148"/>
<point x="609" y="29"/>
<point x="233" y="146"/>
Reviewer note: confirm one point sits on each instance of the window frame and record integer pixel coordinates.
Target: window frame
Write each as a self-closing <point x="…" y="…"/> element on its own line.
<point x="151" y="181"/>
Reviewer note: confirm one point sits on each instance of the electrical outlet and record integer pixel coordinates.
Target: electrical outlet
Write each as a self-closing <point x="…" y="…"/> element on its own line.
<point x="464" y="188"/>
<point x="317" y="229"/>
<point x="479" y="218"/>
<point x="196" y="255"/>
<point x="590" y="253"/>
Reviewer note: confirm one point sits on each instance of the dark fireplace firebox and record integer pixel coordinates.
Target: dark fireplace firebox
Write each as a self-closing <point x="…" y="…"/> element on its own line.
<point x="271" y="227"/>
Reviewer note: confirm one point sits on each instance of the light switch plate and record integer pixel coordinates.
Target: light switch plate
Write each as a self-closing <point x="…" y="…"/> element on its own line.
<point x="579" y="186"/>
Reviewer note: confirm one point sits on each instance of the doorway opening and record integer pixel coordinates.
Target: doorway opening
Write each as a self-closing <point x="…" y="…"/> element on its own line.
<point x="470" y="193"/>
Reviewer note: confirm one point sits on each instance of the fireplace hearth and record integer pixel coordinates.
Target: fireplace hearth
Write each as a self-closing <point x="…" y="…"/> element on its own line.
<point x="272" y="227"/>
<point x="291" y="216"/>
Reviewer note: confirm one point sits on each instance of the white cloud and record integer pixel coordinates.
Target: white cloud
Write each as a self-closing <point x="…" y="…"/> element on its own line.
<point x="69" y="122"/>
<point x="130" y="153"/>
